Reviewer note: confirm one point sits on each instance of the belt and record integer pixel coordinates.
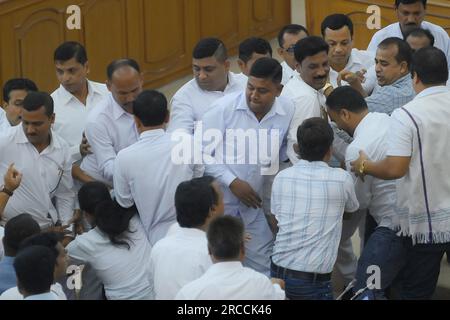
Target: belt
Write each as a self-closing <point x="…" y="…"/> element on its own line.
<point x="300" y="274"/>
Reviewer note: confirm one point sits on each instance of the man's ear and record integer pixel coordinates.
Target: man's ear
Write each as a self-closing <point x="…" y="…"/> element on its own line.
<point x="52" y="118"/>
<point x="86" y="66"/>
<point x="404" y="67"/>
<point x="241" y="65"/>
<point x="296" y="148"/>
<point x="227" y="64"/>
<point x="108" y="85"/>
<point x="166" y="120"/>
<point x="345" y="114"/>
<point x="138" y="122"/>
<point x="415" y="79"/>
<point x="280" y="51"/>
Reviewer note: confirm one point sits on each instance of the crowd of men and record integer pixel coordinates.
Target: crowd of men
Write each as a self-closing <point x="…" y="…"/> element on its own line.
<point x="244" y="186"/>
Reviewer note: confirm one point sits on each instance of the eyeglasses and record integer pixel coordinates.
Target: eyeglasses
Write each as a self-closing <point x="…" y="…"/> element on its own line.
<point x="291" y="49"/>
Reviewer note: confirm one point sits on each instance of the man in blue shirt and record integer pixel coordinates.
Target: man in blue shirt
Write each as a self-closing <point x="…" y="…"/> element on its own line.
<point x="16" y="230"/>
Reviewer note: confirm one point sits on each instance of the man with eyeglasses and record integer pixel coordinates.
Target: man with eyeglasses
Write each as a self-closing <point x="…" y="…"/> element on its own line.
<point x="43" y="159"/>
<point x="287" y="38"/>
<point x="14" y="91"/>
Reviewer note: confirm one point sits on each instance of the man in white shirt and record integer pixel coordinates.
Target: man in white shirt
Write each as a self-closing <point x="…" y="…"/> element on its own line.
<point x="250" y="50"/>
<point x="212" y="80"/>
<point x="337" y="31"/>
<point x="34" y="267"/>
<point x="307" y="88"/>
<point x="145" y="173"/>
<point x="227" y="279"/>
<point x="198" y="202"/>
<point x="309" y="201"/>
<point x="418" y="153"/>
<point x="110" y="127"/>
<point x="261" y="117"/>
<point x="44" y="161"/>
<point x="370" y="131"/>
<point x="75" y="97"/>
<point x="14" y="91"/>
<point x="410" y="15"/>
<point x="287" y="38"/>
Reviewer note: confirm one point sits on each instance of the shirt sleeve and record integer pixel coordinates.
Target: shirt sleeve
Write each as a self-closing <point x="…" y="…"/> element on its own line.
<point x="181" y="114"/>
<point x="76" y="251"/>
<point x="122" y="189"/>
<point x="64" y="194"/>
<point x="400" y="141"/>
<point x="352" y="203"/>
<point x="102" y="147"/>
<point x="362" y="188"/>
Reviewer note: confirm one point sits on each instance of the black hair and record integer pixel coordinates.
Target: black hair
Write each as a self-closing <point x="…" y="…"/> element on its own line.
<point x="114" y="221"/>
<point x="420" y="33"/>
<point x="17" y="84"/>
<point x="210" y="47"/>
<point x="36" y="100"/>
<point x="253" y="45"/>
<point x="69" y="50"/>
<point x="346" y="97"/>
<point x="290" y="29"/>
<point x="193" y="201"/>
<point x="34" y="268"/>
<point x="404" y="51"/>
<point x="398" y="2"/>
<point x="336" y="22"/>
<point x="267" y="68"/>
<point x="431" y="66"/>
<point x="18" y="229"/>
<point x="117" y="64"/>
<point x="225" y="237"/>
<point x="150" y="107"/>
<point x="91" y="194"/>
<point x="309" y="46"/>
<point x="45" y="239"/>
<point x="314" y="138"/>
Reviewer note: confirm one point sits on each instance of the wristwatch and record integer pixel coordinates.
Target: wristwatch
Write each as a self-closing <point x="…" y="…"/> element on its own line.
<point x="327" y="89"/>
<point x="7" y="191"/>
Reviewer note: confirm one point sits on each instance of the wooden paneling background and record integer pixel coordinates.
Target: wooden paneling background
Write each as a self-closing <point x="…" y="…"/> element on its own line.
<point x="438" y="12"/>
<point x="159" y="34"/>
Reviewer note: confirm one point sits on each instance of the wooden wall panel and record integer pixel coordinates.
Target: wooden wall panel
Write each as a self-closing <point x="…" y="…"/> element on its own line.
<point x="438" y="12"/>
<point x="36" y="37"/>
<point x="159" y="34"/>
<point x="105" y="38"/>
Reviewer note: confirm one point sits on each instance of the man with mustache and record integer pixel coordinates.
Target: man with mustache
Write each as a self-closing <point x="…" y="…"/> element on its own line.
<point x="410" y="15"/>
<point x="110" y="127"/>
<point x="307" y="88"/>
<point x="212" y="80"/>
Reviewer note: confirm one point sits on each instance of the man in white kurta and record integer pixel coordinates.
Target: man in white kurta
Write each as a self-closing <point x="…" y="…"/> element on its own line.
<point x="418" y="154"/>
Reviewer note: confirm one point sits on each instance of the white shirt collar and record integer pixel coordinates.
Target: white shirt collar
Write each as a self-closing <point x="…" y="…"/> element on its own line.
<point x="276" y="108"/>
<point x="42" y="296"/>
<point x="117" y="110"/>
<point x="151" y="134"/>
<point x="225" y="267"/>
<point x="432" y="90"/>
<point x="361" y="124"/>
<point x="66" y="96"/>
<point x="192" y="232"/>
<point x="303" y="162"/>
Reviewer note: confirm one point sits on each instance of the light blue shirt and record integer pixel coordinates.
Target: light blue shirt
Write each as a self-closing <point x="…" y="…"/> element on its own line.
<point x="309" y="200"/>
<point x="7" y="274"/>
<point x="233" y="113"/>
<point x="386" y="99"/>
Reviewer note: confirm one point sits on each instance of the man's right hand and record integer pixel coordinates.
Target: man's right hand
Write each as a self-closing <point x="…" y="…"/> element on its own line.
<point x="85" y="147"/>
<point x="12" y="178"/>
<point x="245" y="193"/>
